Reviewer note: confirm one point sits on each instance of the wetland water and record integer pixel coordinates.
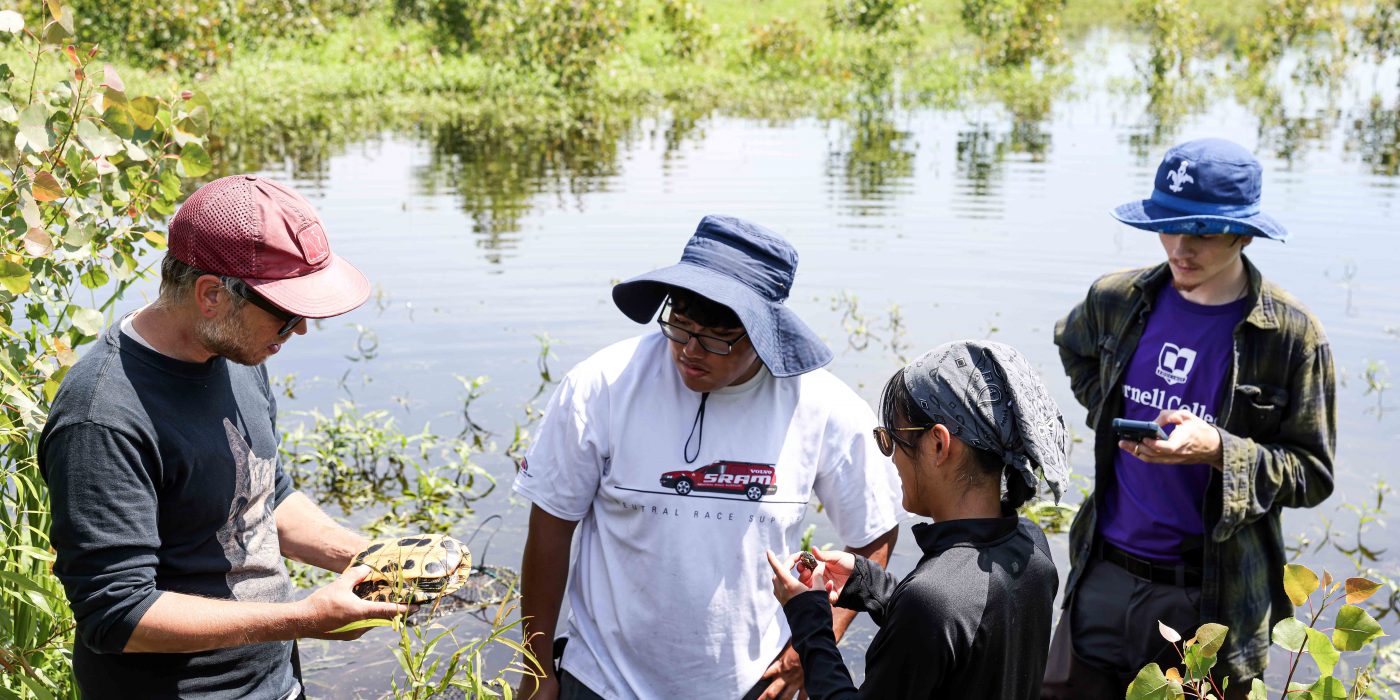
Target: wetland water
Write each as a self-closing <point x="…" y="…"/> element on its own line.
<point x="974" y="224"/>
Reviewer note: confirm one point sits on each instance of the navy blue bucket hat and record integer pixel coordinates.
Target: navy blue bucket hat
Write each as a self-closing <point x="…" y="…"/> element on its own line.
<point x="1202" y="187"/>
<point x="747" y="268"/>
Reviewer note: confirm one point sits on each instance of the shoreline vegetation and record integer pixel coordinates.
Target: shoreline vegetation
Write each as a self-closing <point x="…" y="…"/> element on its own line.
<point x="507" y="91"/>
<point x="590" y="67"/>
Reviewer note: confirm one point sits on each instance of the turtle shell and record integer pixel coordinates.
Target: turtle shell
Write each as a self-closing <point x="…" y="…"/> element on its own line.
<point x="413" y="569"/>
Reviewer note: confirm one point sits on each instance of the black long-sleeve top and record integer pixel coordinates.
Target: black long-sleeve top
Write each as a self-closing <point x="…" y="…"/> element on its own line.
<point x="971" y="621"/>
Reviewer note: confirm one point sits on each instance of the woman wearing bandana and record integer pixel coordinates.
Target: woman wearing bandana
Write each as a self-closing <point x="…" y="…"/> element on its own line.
<point x="971" y="429"/>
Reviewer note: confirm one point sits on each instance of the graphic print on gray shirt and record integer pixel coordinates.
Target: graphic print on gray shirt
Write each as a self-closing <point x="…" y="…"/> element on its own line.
<point x="163" y="477"/>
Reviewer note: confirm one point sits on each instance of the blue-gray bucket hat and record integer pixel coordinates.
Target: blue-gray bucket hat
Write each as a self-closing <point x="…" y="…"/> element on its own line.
<point x="747" y="268"/>
<point x="1206" y="186"/>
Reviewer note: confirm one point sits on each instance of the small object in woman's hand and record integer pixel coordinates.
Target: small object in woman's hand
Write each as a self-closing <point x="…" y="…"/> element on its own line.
<point x="807" y="561"/>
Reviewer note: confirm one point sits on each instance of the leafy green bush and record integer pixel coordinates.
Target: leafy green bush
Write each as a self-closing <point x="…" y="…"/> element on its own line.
<point x="196" y="34"/>
<point x="873" y="15"/>
<point x="1014" y="32"/>
<point x="691" y="32"/>
<point x="1353" y="629"/>
<point x="91" y="177"/>
<point x="566" y="39"/>
<point x="779" y="42"/>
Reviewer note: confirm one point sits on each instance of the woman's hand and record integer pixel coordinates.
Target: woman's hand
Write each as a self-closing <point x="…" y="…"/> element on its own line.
<point x="836" y="567"/>
<point x="785" y="585"/>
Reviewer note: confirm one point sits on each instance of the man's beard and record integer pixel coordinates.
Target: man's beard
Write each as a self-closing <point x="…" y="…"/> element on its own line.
<point x="227" y="336"/>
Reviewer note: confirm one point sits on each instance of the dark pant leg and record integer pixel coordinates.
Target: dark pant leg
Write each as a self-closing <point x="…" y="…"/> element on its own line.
<point x="571" y="689"/>
<point x="1114" y="628"/>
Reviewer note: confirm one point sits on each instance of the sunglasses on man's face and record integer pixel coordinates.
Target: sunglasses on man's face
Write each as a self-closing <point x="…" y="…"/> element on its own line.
<point x="289" y="321"/>
<point x="887" y="438"/>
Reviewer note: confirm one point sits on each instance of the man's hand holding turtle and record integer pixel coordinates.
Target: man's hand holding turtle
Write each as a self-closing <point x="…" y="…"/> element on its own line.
<point x="335" y="605"/>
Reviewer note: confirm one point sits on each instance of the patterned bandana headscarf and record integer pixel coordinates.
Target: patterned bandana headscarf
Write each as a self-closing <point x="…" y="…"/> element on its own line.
<point x="988" y="396"/>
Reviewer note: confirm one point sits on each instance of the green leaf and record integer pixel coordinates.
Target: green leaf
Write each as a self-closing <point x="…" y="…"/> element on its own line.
<point x="1354" y="628"/>
<point x="14" y="277"/>
<point x="119" y="121"/>
<point x="1359" y="589"/>
<point x="143" y="111"/>
<point x="195" y="160"/>
<point x="1152" y="684"/>
<point x="87" y="321"/>
<point x="39" y="691"/>
<point x="1198" y="665"/>
<point x="1327" y="688"/>
<point x="1168" y="633"/>
<point x="1299" y="582"/>
<point x="1323" y="652"/>
<point x="98" y="139"/>
<point x="34" y="129"/>
<point x="361" y="624"/>
<point x="1211" y="636"/>
<point x="80" y="234"/>
<point x="94" y="277"/>
<point x="1290" y="634"/>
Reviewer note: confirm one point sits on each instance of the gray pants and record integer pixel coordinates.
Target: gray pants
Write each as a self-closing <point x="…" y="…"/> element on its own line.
<point x="1113" y="623"/>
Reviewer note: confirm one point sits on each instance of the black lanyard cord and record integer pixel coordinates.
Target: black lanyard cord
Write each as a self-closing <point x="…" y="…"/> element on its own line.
<point x="700" y="423"/>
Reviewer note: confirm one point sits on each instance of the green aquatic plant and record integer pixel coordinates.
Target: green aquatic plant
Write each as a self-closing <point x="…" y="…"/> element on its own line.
<point x="1377" y="378"/>
<point x="192" y="35"/>
<point x="564" y="39"/>
<point x="1016" y="32"/>
<point x="1353" y="629"/>
<point x="873" y="15"/>
<point x="362" y="459"/>
<point x="691" y="30"/>
<point x="780" y="46"/>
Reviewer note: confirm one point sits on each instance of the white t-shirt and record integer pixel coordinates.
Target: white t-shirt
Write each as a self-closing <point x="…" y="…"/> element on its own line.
<point x="671" y="594"/>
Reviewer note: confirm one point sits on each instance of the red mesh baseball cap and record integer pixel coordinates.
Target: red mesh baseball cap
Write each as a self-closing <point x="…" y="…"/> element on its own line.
<point x="263" y="232"/>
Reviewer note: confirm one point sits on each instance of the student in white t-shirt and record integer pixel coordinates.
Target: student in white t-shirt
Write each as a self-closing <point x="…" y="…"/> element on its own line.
<point x="680" y="456"/>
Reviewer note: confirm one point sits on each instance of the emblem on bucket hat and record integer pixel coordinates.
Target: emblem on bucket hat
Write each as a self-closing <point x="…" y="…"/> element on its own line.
<point x="1206" y="186"/>
<point x="266" y="234"/>
<point x="747" y="268"/>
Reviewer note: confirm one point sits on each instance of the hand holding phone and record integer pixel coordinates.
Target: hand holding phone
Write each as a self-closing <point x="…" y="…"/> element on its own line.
<point x="1137" y="430"/>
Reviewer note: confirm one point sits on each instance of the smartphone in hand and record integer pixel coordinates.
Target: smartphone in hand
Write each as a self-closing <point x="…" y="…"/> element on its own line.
<point x="1137" y="430"/>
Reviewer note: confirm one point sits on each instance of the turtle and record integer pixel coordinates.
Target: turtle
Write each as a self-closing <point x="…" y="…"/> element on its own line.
<point x="808" y="561"/>
<point x="413" y="569"/>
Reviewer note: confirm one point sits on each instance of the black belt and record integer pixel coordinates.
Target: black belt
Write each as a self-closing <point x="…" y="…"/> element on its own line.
<point x="1169" y="574"/>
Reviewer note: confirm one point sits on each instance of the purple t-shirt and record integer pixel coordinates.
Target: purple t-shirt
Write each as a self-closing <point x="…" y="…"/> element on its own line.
<point x="1154" y="510"/>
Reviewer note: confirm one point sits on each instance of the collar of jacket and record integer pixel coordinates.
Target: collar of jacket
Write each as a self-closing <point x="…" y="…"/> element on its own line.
<point x="1262" y="313"/>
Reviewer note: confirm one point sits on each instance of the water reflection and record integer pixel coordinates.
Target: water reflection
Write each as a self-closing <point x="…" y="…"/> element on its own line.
<point x="982" y="151"/>
<point x="496" y="173"/>
<point x="876" y="163"/>
<point x="1375" y="134"/>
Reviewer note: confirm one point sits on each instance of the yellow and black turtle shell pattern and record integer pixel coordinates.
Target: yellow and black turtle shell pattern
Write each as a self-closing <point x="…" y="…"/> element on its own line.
<point x="413" y="569"/>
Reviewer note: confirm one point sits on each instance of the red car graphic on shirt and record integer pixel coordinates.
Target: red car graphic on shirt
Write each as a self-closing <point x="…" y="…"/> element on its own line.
<point x="749" y="478"/>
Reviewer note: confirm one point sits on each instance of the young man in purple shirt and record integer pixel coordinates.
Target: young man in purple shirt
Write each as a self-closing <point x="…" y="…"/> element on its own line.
<point x="1187" y="530"/>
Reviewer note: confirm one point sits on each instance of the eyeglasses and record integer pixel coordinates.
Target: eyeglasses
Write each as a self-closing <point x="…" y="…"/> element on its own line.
<point x="711" y="344"/>
<point x="887" y="438"/>
<point x="240" y="288"/>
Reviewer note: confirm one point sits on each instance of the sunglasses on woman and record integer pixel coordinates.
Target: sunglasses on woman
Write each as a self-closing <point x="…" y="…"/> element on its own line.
<point x="887" y="438"/>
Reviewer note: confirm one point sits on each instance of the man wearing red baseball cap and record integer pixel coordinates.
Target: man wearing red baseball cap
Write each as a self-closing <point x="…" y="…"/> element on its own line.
<point x="171" y="514"/>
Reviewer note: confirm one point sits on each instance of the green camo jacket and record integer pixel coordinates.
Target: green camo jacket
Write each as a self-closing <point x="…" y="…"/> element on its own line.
<point x="1277" y="423"/>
